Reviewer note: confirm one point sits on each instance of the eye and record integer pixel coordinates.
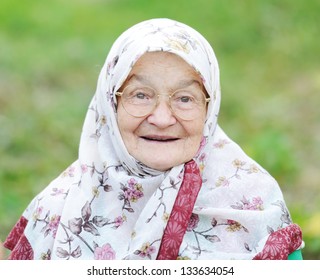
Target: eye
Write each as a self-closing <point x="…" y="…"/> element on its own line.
<point x="141" y="95"/>
<point x="185" y="99"/>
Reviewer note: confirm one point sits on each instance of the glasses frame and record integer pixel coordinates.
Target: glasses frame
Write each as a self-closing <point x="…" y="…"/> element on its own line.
<point x="120" y="93"/>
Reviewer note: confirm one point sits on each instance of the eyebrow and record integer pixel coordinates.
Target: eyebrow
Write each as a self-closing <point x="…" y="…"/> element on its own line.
<point x="181" y="84"/>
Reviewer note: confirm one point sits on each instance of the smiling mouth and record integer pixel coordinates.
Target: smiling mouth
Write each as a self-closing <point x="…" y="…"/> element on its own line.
<point x="160" y="139"/>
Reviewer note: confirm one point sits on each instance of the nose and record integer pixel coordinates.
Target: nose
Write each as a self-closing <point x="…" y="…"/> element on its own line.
<point x="162" y="115"/>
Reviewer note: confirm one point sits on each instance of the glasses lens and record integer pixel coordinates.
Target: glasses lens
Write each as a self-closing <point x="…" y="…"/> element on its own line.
<point x="138" y="101"/>
<point x="187" y="104"/>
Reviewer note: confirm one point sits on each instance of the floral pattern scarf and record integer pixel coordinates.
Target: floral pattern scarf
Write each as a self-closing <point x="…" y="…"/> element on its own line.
<point x="107" y="205"/>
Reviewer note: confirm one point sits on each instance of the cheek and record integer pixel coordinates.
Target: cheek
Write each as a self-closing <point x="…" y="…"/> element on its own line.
<point x="124" y="123"/>
<point x="197" y="126"/>
<point x="127" y="126"/>
<point x="195" y="132"/>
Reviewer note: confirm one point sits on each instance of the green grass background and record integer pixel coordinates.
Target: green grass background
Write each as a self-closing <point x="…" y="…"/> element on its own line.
<point x="51" y="53"/>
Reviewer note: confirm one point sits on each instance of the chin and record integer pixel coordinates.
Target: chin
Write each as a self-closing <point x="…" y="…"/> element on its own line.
<point x="163" y="165"/>
<point x="162" y="160"/>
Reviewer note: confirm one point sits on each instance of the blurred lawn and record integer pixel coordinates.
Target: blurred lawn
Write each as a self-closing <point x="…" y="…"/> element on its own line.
<point x="51" y="53"/>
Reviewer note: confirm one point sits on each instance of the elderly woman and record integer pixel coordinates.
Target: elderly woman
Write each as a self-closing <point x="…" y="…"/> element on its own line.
<point x="156" y="177"/>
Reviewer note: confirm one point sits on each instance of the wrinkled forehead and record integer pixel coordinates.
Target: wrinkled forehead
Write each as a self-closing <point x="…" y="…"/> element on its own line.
<point x="162" y="35"/>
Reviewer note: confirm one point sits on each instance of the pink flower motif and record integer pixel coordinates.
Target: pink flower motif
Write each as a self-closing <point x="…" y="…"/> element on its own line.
<point x="132" y="182"/>
<point x="39" y="210"/>
<point x="104" y="253"/>
<point x="37" y="213"/>
<point x="193" y="222"/>
<point x="221" y="143"/>
<point x="118" y="221"/>
<point x="246" y="204"/>
<point x="57" y="191"/>
<point x="84" y="168"/>
<point x="233" y="226"/>
<point x="231" y="222"/>
<point x="134" y="191"/>
<point x="53" y="224"/>
<point x="69" y="172"/>
<point x="146" y="250"/>
<point x="258" y="203"/>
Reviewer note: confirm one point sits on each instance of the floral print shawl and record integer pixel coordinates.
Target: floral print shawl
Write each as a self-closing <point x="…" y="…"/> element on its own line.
<point x="106" y="205"/>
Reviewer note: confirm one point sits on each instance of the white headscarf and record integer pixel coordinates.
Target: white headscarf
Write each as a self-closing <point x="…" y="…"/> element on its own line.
<point x="108" y="205"/>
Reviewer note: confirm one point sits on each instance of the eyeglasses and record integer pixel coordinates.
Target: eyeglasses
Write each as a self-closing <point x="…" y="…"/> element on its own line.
<point x="140" y="101"/>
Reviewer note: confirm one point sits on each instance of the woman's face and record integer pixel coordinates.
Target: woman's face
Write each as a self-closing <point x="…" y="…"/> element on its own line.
<point x="160" y="139"/>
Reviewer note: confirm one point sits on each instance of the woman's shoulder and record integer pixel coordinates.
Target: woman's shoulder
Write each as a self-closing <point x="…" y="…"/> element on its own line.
<point x="229" y="167"/>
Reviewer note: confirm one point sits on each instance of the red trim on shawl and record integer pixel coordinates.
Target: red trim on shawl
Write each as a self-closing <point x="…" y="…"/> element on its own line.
<point x="18" y="243"/>
<point x="281" y="243"/>
<point x="181" y="213"/>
